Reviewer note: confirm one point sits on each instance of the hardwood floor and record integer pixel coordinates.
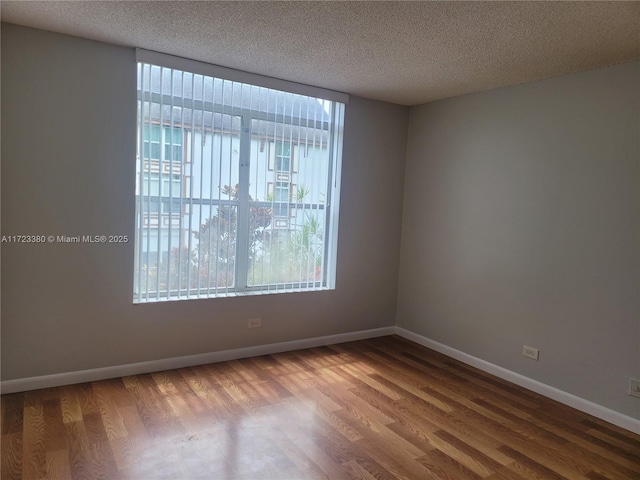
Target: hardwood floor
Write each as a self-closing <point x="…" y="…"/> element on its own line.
<point x="376" y="409"/>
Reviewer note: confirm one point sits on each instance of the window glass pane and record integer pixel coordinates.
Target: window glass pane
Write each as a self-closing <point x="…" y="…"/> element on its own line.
<point x="173" y="144"/>
<point x="151" y="205"/>
<point x="155" y="151"/>
<point x="151" y="141"/>
<point x="283" y="156"/>
<point x="150" y="184"/>
<point x="290" y="249"/>
<point x="154" y="133"/>
<point x="282" y="192"/>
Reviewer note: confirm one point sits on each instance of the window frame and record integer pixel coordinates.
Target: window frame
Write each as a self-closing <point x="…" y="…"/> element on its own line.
<point x="242" y="202"/>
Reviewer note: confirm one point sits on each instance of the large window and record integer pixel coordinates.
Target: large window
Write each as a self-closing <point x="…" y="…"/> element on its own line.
<point x="237" y="184"/>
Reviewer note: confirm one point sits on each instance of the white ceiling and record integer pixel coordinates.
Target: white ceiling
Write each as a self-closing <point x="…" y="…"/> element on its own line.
<point x="402" y="52"/>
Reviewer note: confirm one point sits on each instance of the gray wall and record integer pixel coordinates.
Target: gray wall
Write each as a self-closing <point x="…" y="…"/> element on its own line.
<point x="521" y="226"/>
<point x="68" y="126"/>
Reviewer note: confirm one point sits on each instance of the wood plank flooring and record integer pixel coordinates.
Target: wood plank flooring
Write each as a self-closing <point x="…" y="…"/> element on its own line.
<point x="383" y="408"/>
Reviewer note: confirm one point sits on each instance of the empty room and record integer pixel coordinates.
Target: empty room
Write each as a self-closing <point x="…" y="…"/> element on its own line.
<point x="320" y="240"/>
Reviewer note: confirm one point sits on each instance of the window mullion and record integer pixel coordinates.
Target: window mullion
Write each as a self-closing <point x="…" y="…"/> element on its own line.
<point x="243" y="233"/>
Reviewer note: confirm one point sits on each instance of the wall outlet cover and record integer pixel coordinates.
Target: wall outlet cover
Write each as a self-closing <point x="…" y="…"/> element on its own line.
<point x="254" y="323"/>
<point x="530" y="352"/>
<point x="634" y="387"/>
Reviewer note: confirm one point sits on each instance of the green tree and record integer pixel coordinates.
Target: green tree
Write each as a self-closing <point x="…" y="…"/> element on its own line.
<point x="215" y="254"/>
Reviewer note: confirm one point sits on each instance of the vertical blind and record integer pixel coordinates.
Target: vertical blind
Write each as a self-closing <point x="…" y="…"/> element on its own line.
<point x="237" y="187"/>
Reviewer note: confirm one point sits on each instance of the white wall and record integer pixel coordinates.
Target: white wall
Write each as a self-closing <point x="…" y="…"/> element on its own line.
<point x="69" y="307"/>
<point x="521" y="226"/>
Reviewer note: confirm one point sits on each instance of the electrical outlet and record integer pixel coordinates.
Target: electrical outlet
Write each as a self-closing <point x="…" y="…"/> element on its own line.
<point x="254" y="323"/>
<point x="530" y="352"/>
<point x="634" y="387"/>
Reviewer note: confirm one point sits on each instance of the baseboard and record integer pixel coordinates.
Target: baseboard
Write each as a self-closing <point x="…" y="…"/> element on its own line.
<point x="69" y="378"/>
<point x="603" y="413"/>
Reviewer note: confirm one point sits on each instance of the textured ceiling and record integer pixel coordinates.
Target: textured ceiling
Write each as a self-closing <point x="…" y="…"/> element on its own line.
<point x="401" y="52"/>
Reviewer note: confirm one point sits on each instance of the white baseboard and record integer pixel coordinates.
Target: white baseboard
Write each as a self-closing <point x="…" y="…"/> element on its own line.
<point x="603" y="413"/>
<point x="69" y="378"/>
